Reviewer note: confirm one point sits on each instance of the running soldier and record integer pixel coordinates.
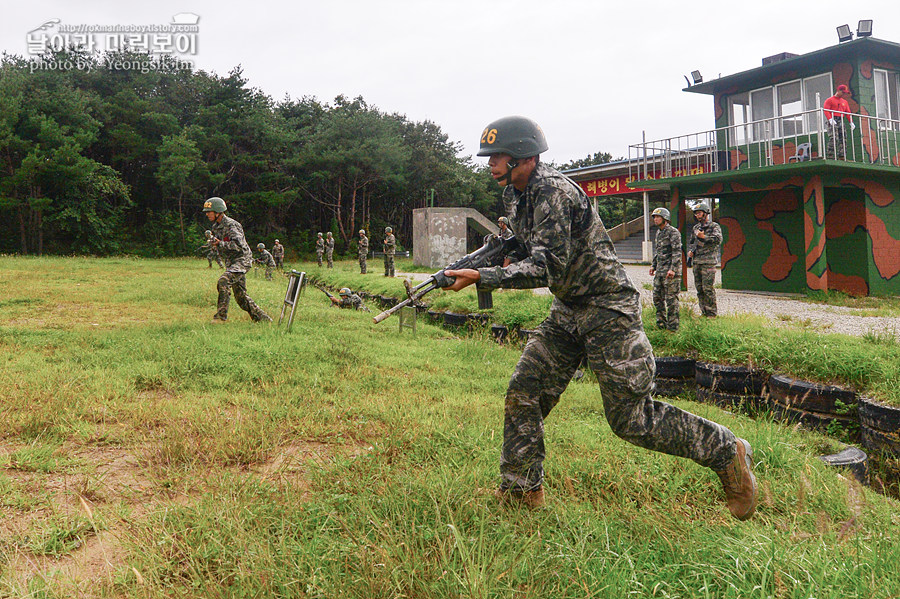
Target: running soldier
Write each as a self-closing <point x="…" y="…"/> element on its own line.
<point x="278" y="254"/>
<point x="265" y="258"/>
<point x="228" y="238"/>
<point x="666" y="271"/>
<point x="703" y="253"/>
<point x="320" y="249"/>
<point x="390" y="246"/>
<point x="595" y="313"/>
<point x="329" y="249"/>
<point x="363" y="251"/>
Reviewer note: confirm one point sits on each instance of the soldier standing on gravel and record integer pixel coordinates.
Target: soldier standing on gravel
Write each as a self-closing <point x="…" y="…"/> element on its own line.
<point x="320" y="249"/>
<point x="666" y="265"/>
<point x="390" y="246"/>
<point x="228" y="238"/>
<point x="703" y="252"/>
<point x="363" y="251"/>
<point x="596" y="313"/>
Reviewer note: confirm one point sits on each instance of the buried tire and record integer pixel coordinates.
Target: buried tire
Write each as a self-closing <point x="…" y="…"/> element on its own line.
<point x="729" y="379"/>
<point x="670" y="387"/>
<point x="879" y="416"/>
<point x="741" y="401"/>
<point x="812" y="397"/>
<point x="852" y="459"/>
<point x="674" y="367"/>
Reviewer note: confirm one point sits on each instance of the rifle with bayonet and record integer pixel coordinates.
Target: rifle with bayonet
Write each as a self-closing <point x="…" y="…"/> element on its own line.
<point x="333" y="299"/>
<point x="490" y="254"/>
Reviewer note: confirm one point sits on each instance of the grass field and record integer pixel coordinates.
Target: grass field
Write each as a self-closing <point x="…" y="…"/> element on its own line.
<point x="145" y="452"/>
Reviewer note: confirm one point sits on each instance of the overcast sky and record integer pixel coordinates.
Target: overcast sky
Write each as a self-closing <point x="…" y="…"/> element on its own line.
<point x="593" y="74"/>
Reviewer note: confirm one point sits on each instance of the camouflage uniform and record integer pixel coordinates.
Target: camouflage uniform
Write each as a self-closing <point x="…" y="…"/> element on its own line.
<point x="213" y="254"/>
<point x="329" y="250"/>
<point x="278" y="255"/>
<point x="363" y="253"/>
<point x="266" y="258"/>
<point x="238" y="259"/>
<point x="666" y="257"/>
<point x="595" y="314"/>
<point x="320" y="249"/>
<point x="353" y="301"/>
<point x="390" y="246"/>
<point x="705" y="258"/>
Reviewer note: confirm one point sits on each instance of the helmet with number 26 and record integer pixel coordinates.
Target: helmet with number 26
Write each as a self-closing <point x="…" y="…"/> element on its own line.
<point x="517" y="136"/>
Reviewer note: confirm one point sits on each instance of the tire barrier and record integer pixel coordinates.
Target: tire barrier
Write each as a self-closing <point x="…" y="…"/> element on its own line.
<point x="525" y="334"/>
<point x="435" y="317"/>
<point x="452" y="319"/>
<point x="674" y="376"/>
<point x="500" y="332"/>
<point x="729" y="379"/>
<point x="880" y="426"/>
<point x="815" y="406"/>
<point x="387" y="301"/>
<point x="730" y="401"/>
<point x="853" y="460"/>
<point x="479" y="319"/>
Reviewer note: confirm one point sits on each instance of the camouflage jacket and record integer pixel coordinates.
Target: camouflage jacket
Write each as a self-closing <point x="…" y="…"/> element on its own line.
<point x="320" y="245"/>
<point x="278" y="250"/>
<point x="667" y="255"/>
<point x="567" y="250"/>
<point x="354" y="301"/>
<point x="706" y="251"/>
<point x="506" y="233"/>
<point x="233" y="247"/>
<point x="266" y="258"/>
<point x="390" y="244"/>
<point x="329" y="244"/>
<point x="363" y="245"/>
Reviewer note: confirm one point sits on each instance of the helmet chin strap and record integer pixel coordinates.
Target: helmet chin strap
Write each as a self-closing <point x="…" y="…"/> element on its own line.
<point x="507" y="178"/>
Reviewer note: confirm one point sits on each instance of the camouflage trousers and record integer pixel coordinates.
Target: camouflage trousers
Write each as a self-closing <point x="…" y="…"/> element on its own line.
<point x="279" y="262"/>
<point x="210" y="256"/>
<point x="665" y="298"/>
<point x="362" y="264"/>
<point x="319" y="257"/>
<point x="237" y="282"/>
<point x="269" y="270"/>
<point x="329" y="257"/>
<point x="619" y="353"/>
<point x="835" y="146"/>
<point x="704" y="281"/>
<point x="389" y="265"/>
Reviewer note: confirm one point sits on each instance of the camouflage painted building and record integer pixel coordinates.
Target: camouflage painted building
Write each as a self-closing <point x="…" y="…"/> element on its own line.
<point x="794" y="219"/>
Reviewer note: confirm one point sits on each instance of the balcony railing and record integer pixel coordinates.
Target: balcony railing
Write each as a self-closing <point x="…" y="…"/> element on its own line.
<point x="770" y="142"/>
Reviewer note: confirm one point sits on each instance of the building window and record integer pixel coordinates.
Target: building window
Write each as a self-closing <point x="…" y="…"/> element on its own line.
<point x="780" y="109"/>
<point x="887" y="99"/>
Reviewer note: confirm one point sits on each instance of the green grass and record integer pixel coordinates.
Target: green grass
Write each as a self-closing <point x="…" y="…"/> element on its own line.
<point x="147" y="453"/>
<point x="865" y="305"/>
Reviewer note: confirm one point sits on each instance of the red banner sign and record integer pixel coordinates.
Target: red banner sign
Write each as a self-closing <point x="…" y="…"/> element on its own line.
<point x="619" y="184"/>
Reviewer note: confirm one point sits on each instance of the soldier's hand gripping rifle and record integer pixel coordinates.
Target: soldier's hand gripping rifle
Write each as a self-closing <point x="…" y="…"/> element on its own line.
<point x="490" y="254"/>
<point x="333" y="299"/>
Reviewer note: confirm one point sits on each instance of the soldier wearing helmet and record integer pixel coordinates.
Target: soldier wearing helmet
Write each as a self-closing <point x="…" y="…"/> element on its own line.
<point x="703" y="256"/>
<point x="349" y="300"/>
<point x="389" y="245"/>
<point x="666" y="270"/>
<point x="320" y="248"/>
<point x="267" y="259"/>
<point x="363" y="251"/>
<point x="329" y="249"/>
<point x="228" y="238"/>
<point x="595" y="314"/>
<point x="278" y="254"/>
<point x="212" y="253"/>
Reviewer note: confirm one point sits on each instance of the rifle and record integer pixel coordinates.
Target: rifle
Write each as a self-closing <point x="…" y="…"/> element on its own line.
<point x="490" y="254"/>
<point x="333" y="299"/>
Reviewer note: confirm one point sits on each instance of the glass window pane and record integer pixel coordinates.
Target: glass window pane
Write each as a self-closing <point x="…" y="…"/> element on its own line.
<point x="739" y="116"/>
<point x="789" y="105"/>
<point x="820" y="84"/>
<point x="762" y="106"/>
<point x="882" y="104"/>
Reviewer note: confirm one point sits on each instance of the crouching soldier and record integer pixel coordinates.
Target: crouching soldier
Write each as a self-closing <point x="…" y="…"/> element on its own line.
<point x="349" y="300"/>
<point x="265" y="258"/>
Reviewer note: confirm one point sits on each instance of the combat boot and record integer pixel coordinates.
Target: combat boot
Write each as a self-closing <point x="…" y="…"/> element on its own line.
<point x="739" y="483"/>
<point x="531" y="499"/>
<point x="219" y="320"/>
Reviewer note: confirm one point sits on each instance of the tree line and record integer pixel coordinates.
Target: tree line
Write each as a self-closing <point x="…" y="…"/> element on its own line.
<point x="104" y="161"/>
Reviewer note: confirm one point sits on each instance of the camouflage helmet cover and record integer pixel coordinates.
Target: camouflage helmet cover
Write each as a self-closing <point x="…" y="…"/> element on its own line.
<point x="329" y="234"/>
<point x="344" y="291"/>
<point x="701" y="206"/>
<point x="388" y="230"/>
<point x="362" y="231"/>
<point x="214" y="204"/>
<point x="319" y="234"/>
<point x="518" y="136"/>
<point x="663" y="213"/>
<point x="503" y="220"/>
<point x="260" y="246"/>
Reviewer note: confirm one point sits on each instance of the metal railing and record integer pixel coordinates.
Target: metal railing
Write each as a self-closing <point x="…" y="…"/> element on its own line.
<point x="800" y="137"/>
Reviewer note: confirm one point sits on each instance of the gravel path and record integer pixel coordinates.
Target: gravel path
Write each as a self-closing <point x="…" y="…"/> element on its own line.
<point x="782" y="311"/>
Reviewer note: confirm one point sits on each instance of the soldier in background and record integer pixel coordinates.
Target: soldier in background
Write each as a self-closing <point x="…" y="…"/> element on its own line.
<point x="228" y="238"/>
<point x="703" y="254"/>
<point x="265" y="258"/>
<point x="505" y="233"/>
<point x="596" y="313"/>
<point x="390" y="246"/>
<point x="320" y="249"/>
<point x="278" y="254"/>
<point x="363" y="251"/>
<point x="211" y="252"/>
<point x="329" y="250"/>
<point x="349" y="300"/>
<point x="666" y="271"/>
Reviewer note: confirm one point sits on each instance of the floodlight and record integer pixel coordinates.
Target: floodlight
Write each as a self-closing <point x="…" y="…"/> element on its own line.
<point x="844" y="33"/>
<point x="864" y="29"/>
<point x="698" y="78"/>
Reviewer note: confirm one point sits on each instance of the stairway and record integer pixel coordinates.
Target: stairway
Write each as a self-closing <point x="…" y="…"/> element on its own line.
<point x="629" y="249"/>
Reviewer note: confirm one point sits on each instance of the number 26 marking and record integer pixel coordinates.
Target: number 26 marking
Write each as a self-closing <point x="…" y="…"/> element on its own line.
<point x="489" y="136"/>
